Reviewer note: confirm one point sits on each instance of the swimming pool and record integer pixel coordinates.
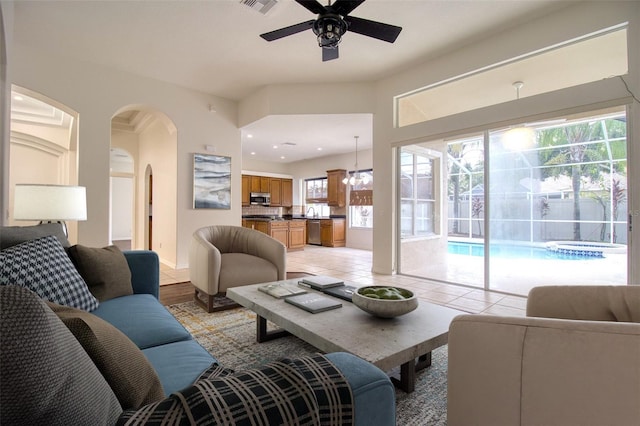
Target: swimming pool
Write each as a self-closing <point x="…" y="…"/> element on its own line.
<point x="508" y="251"/>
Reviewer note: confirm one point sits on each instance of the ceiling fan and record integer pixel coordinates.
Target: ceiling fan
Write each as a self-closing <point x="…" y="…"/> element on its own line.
<point x="332" y="22"/>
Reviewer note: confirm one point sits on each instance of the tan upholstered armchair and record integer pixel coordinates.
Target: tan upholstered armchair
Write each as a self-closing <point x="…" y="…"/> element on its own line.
<point x="221" y="257"/>
<point x="579" y="365"/>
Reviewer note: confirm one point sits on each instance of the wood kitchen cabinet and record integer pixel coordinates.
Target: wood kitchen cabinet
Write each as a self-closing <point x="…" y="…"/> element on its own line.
<point x="291" y="233"/>
<point x="260" y="184"/>
<point x="281" y="190"/>
<point x="333" y="232"/>
<point x="336" y="190"/>
<point x="275" y="186"/>
<point x="246" y="190"/>
<point x="287" y="192"/>
<point x="258" y="225"/>
<point x="280" y="231"/>
<point x="297" y="234"/>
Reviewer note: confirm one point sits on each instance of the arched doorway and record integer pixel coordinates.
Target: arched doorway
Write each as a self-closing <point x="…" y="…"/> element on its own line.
<point x="150" y="138"/>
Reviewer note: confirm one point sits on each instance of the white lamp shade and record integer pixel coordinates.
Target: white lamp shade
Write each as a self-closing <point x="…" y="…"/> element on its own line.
<point x="49" y="202"/>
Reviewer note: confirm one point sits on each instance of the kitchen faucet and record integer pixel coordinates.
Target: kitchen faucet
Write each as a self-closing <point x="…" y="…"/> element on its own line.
<point x="314" y="212"/>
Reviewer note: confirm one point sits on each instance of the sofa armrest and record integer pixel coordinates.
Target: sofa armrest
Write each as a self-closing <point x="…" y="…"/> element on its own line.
<point x="516" y="371"/>
<point x="145" y="271"/>
<point x="592" y="303"/>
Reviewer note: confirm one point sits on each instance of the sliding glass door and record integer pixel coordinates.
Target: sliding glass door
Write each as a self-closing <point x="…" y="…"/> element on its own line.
<point x="539" y="204"/>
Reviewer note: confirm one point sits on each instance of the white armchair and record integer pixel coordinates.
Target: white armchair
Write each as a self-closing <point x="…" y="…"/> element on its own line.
<point x="221" y="257"/>
<point x="583" y="369"/>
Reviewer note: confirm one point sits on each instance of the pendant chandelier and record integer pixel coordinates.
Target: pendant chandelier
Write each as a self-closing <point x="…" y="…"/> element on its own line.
<point x="522" y="137"/>
<point x="356" y="179"/>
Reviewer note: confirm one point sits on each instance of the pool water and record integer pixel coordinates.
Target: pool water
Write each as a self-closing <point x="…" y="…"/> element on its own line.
<point x="510" y="251"/>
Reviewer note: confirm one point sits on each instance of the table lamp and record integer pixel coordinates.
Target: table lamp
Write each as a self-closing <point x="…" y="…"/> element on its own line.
<point x="50" y="203"/>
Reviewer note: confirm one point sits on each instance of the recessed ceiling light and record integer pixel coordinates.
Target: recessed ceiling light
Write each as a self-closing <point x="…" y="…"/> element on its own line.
<point x="282" y="157"/>
<point x="253" y="153"/>
<point x="320" y="149"/>
<point x="249" y="135"/>
<point x="275" y="147"/>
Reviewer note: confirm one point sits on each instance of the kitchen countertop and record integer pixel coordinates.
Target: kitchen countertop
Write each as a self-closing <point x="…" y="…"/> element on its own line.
<point x="287" y="217"/>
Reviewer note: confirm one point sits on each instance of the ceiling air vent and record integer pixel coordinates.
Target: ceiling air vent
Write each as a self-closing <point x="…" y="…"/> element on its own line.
<point x="262" y="6"/>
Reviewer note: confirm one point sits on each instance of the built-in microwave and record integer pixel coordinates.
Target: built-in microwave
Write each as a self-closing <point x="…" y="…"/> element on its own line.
<point x="260" y="198"/>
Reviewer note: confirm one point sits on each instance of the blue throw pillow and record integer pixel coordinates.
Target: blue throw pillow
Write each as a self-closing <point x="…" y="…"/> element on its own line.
<point x="43" y="266"/>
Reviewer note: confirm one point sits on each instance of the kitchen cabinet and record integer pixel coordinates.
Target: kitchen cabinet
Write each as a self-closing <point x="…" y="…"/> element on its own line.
<point x="291" y="233"/>
<point x="336" y="190"/>
<point x="246" y="190"/>
<point x="297" y="234"/>
<point x="287" y="192"/>
<point x="333" y="232"/>
<point x="258" y="225"/>
<point x="260" y="184"/>
<point x="275" y="186"/>
<point x="281" y="190"/>
<point x="279" y="230"/>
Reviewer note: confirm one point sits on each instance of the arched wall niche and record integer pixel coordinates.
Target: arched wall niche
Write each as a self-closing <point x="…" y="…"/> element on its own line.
<point x="43" y="145"/>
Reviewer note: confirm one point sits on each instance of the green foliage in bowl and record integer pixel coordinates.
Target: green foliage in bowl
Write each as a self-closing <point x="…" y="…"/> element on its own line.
<point x="385" y="301"/>
<point x="387" y="293"/>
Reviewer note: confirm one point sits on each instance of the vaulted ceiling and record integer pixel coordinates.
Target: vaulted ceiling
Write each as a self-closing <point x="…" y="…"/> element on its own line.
<point x="214" y="46"/>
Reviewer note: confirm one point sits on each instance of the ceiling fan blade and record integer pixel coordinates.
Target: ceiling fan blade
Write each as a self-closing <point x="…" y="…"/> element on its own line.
<point x="313" y="6"/>
<point x="384" y="32"/>
<point x="329" y="54"/>
<point x="344" y="7"/>
<point x="287" y="31"/>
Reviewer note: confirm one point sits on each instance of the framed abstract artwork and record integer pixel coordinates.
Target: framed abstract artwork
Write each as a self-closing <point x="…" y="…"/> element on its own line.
<point x="211" y="182"/>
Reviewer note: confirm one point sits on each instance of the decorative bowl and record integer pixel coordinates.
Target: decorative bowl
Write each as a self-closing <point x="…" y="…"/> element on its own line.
<point x="385" y="301"/>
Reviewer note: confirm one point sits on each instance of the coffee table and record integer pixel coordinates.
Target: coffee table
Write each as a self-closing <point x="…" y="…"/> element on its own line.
<point x="405" y="341"/>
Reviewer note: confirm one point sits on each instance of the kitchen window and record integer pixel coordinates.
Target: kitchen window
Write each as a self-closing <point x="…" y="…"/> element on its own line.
<point x="361" y="199"/>
<point x="315" y="190"/>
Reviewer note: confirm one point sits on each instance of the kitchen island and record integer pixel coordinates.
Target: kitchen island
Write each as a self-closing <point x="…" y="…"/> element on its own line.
<point x="290" y="232"/>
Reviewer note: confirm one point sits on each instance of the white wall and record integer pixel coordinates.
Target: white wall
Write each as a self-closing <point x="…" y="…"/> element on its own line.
<point x="158" y="149"/>
<point x="121" y="208"/>
<point x="6" y="37"/>
<point x="97" y="93"/>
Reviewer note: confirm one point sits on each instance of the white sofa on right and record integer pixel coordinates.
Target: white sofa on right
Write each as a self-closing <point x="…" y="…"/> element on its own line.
<point x="574" y="360"/>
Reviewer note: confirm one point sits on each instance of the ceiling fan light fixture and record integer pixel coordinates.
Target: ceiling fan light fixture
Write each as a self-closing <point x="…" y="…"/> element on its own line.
<point x="329" y="30"/>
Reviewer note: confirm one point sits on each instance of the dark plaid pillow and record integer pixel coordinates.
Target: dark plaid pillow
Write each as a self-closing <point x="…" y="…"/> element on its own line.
<point x="169" y="411"/>
<point x="43" y="266"/>
<point x="276" y="393"/>
<point x="306" y="391"/>
<point x="213" y="371"/>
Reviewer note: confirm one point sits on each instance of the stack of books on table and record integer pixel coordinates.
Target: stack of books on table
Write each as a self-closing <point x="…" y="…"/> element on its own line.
<point x="332" y="286"/>
<point x="313" y="302"/>
<point x="280" y="290"/>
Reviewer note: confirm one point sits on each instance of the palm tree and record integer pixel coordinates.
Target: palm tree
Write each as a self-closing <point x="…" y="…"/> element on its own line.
<point x="573" y="150"/>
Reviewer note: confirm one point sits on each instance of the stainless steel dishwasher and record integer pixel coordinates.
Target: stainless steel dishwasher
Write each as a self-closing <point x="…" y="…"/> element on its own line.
<point x="313" y="228"/>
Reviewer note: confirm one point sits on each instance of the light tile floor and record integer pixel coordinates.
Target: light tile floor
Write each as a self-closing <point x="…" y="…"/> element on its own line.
<point x="355" y="266"/>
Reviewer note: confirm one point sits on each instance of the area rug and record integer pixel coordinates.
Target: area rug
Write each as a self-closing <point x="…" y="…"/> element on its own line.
<point x="230" y="336"/>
